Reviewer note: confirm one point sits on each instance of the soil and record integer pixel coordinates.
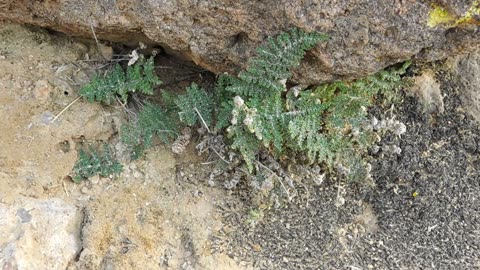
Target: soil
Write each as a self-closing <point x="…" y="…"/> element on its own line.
<point x="422" y="213"/>
<point x="144" y="219"/>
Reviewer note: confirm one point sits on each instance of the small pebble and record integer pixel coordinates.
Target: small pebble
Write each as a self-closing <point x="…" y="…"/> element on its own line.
<point x="137" y="174"/>
<point x="95" y="179"/>
<point x="85" y="190"/>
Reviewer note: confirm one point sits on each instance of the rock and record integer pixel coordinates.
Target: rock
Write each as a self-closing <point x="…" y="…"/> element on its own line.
<point x="365" y="35"/>
<point x="467" y="69"/>
<point x="428" y="90"/>
<point x="95" y="179"/>
<point x="38" y="234"/>
<point x="85" y="190"/>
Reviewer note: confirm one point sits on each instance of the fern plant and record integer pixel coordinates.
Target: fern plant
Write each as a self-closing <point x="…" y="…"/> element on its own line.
<point x="195" y="106"/>
<point x="95" y="162"/>
<point x="118" y="83"/>
<point x="326" y="123"/>
<point x="259" y="119"/>
<point x="152" y="121"/>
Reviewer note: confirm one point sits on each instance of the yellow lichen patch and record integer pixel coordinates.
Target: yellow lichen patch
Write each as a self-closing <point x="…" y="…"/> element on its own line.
<point x="440" y="16"/>
<point x="469" y="16"/>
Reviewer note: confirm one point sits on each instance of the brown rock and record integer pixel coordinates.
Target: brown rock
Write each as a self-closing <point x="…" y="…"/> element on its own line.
<point x="365" y="35"/>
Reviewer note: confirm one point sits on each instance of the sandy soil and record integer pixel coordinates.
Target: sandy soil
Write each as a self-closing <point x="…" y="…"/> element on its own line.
<point x="145" y="219"/>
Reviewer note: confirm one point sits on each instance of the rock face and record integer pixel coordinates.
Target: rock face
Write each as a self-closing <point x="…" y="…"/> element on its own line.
<point x="38" y="234"/>
<point x="365" y="35"/>
<point x="467" y="70"/>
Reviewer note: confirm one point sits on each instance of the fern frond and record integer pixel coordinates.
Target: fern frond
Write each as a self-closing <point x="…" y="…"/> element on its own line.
<point x="274" y="63"/>
<point x="195" y="106"/>
<point x="247" y="144"/>
<point x="95" y="162"/>
<point x="152" y="121"/>
<point x="117" y="83"/>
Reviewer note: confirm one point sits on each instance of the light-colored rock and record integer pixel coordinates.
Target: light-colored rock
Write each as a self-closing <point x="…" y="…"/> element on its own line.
<point x="365" y="35"/>
<point x="428" y="90"/>
<point x="38" y="234"/>
<point x="105" y="51"/>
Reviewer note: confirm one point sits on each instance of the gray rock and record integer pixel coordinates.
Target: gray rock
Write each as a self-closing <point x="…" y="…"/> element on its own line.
<point x="38" y="234"/>
<point x="467" y="70"/>
<point x="365" y="35"/>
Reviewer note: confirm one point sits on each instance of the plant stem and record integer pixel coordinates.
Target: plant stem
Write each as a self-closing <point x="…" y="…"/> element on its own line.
<point x="68" y="106"/>
<point x="201" y="118"/>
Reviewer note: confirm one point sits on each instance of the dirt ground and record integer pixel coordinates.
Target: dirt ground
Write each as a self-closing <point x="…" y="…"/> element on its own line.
<point x="422" y="213"/>
<point x="145" y="219"/>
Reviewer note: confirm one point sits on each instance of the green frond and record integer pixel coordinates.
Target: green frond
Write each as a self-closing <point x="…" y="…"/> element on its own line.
<point x="247" y="144"/>
<point x="274" y="62"/>
<point x="224" y="102"/>
<point x="152" y="121"/>
<point x="95" y="162"/>
<point x="196" y="105"/>
<point x="117" y="83"/>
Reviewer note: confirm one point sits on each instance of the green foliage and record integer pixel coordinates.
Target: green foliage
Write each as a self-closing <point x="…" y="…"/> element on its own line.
<point x="95" y="162"/>
<point x="223" y="102"/>
<point x="195" y="106"/>
<point x="259" y="115"/>
<point x="274" y="63"/>
<point x="117" y="83"/>
<point x="151" y="121"/>
<point x="327" y="124"/>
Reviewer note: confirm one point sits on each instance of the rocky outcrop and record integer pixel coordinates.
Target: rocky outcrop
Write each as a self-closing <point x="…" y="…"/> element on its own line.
<point x="38" y="234"/>
<point x="467" y="71"/>
<point x="365" y="35"/>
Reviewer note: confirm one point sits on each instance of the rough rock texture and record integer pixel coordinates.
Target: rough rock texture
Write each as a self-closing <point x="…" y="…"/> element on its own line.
<point x="38" y="234"/>
<point x="467" y="71"/>
<point x="365" y="35"/>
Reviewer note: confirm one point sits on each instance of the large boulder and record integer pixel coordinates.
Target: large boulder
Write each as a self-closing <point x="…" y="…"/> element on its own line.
<point x="38" y="234"/>
<point x="365" y="35"/>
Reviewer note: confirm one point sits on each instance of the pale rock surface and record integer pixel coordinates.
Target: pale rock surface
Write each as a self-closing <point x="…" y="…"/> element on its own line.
<point x="38" y="234"/>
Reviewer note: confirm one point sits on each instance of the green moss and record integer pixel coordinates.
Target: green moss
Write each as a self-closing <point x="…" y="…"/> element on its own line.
<point x="440" y="16"/>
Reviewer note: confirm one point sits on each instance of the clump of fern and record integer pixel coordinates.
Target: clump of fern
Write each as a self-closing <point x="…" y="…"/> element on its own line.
<point x="259" y="118"/>
<point x="165" y="121"/>
<point x="327" y="124"/>
<point x="96" y="161"/>
<point x="118" y="84"/>
<point x="195" y="106"/>
<point x="262" y="116"/>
